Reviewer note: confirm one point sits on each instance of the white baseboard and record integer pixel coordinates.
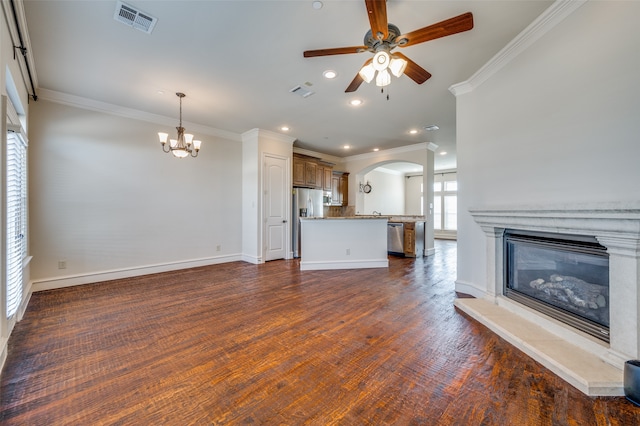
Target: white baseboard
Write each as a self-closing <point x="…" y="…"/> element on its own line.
<point x="470" y="289"/>
<point x="252" y="259"/>
<point x="4" y="347"/>
<point x="357" y="264"/>
<point x="94" y="277"/>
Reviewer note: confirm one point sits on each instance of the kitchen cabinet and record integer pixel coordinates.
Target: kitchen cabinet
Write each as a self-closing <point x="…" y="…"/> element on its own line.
<point x="323" y="176"/>
<point x="344" y="188"/>
<point x="339" y="189"/>
<point x="305" y="171"/>
<point x="311" y="174"/>
<point x="414" y="239"/>
<point x="327" y="174"/>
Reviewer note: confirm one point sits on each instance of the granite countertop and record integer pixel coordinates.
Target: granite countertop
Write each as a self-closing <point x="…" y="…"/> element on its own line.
<point x="345" y="217"/>
<point x="402" y="218"/>
<point x="390" y="218"/>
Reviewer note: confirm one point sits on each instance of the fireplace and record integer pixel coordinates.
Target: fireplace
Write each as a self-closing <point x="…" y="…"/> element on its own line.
<point x="593" y="365"/>
<point x="563" y="276"/>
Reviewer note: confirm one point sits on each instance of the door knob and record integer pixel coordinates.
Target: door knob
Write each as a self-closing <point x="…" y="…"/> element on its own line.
<point x="284" y="221"/>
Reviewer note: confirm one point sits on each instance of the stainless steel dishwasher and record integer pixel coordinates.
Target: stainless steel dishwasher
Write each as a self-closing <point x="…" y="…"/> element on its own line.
<point x="395" y="238"/>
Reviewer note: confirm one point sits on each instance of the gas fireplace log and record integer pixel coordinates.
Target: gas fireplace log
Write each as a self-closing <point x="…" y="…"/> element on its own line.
<point x="572" y="290"/>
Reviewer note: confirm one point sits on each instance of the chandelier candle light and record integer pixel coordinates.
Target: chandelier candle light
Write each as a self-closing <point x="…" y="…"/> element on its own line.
<point x="184" y="145"/>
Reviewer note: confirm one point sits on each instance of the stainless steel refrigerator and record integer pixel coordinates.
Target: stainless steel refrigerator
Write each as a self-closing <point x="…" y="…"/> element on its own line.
<point x="306" y="203"/>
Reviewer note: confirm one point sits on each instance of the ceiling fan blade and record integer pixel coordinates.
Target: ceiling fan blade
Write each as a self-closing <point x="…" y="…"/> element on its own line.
<point x="414" y="71"/>
<point x="335" y="51"/>
<point x="377" y="11"/>
<point x="445" y="28"/>
<point x="357" y="81"/>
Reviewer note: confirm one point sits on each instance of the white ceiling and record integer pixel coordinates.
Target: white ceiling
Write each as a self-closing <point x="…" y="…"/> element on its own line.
<point x="237" y="60"/>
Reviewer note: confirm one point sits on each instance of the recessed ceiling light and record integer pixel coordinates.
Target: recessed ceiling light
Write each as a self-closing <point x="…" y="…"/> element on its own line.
<point x="431" y="127"/>
<point x="346" y="146"/>
<point x="317" y="5"/>
<point x="284" y="128"/>
<point x="443" y="153"/>
<point x="330" y="74"/>
<point x="355" y="102"/>
<point x="413" y="131"/>
<point x="376" y="149"/>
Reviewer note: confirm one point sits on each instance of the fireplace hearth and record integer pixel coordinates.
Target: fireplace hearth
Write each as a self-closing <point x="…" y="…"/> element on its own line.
<point x="563" y="276"/>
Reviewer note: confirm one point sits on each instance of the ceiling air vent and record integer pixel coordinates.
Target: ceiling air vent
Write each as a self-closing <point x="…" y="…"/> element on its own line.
<point x="302" y="91"/>
<point x="133" y="17"/>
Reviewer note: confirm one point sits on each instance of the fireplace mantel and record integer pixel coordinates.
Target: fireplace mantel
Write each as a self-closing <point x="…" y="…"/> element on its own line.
<point x="616" y="227"/>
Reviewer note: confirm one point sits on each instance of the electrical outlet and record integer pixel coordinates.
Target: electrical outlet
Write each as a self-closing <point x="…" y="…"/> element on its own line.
<point x="218" y="247"/>
<point x="348" y="252"/>
<point x="62" y="264"/>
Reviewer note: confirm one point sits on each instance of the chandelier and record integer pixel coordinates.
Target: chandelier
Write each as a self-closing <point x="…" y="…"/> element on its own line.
<point x="383" y="63"/>
<point x="184" y="145"/>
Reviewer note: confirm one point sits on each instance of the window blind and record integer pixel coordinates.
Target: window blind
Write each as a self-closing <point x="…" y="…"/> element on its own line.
<point x="16" y="218"/>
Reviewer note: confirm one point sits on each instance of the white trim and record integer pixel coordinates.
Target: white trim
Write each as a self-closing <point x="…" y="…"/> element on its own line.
<point x="4" y="348"/>
<point x="94" y="277"/>
<point x="470" y="289"/>
<point x="252" y="259"/>
<point x="93" y="105"/>
<point x="359" y="264"/>
<point x="408" y="148"/>
<point x="257" y="133"/>
<point x="551" y="17"/>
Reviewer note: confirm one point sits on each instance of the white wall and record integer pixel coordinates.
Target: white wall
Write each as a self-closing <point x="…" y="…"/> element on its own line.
<point x="558" y="124"/>
<point x="104" y="198"/>
<point x="413" y="195"/>
<point x="387" y="193"/>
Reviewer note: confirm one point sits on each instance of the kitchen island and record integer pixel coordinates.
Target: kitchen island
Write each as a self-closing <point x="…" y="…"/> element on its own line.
<point x="343" y="242"/>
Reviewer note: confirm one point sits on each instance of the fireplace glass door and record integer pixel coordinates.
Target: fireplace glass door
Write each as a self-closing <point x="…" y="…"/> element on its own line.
<point x="563" y="276"/>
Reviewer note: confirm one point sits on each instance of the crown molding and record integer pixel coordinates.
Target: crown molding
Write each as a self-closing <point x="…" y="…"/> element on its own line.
<point x="278" y="137"/>
<point x="551" y="17"/>
<point x="399" y="150"/>
<point x="103" y="107"/>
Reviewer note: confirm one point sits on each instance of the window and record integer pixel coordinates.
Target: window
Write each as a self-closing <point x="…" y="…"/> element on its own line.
<point x="445" y="202"/>
<point x="16" y="218"/>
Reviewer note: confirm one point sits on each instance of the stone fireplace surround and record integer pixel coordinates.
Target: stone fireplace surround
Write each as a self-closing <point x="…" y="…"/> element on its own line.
<point x="588" y="364"/>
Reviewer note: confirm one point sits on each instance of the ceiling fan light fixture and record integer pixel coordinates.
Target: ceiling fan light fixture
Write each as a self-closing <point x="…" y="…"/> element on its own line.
<point x="397" y="66"/>
<point x="367" y="73"/>
<point x="383" y="78"/>
<point x="381" y="60"/>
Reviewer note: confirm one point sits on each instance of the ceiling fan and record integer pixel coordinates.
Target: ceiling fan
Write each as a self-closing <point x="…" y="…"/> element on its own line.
<point x="383" y="37"/>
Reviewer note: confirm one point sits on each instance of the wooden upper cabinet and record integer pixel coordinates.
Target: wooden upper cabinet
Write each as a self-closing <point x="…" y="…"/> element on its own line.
<point x="326" y="178"/>
<point x="311" y="172"/>
<point x="340" y="189"/>
<point x="344" y="186"/>
<point x="298" y="172"/>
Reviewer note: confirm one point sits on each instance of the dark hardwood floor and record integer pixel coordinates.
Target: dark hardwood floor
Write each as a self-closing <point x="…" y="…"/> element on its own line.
<point x="268" y="344"/>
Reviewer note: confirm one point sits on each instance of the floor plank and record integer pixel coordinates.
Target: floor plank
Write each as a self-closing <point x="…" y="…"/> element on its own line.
<point x="269" y="344"/>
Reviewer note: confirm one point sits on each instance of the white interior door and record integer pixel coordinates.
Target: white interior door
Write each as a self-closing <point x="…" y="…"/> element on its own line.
<point x="276" y="202"/>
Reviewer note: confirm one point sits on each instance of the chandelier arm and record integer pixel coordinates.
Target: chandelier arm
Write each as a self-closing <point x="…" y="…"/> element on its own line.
<point x="168" y="150"/>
